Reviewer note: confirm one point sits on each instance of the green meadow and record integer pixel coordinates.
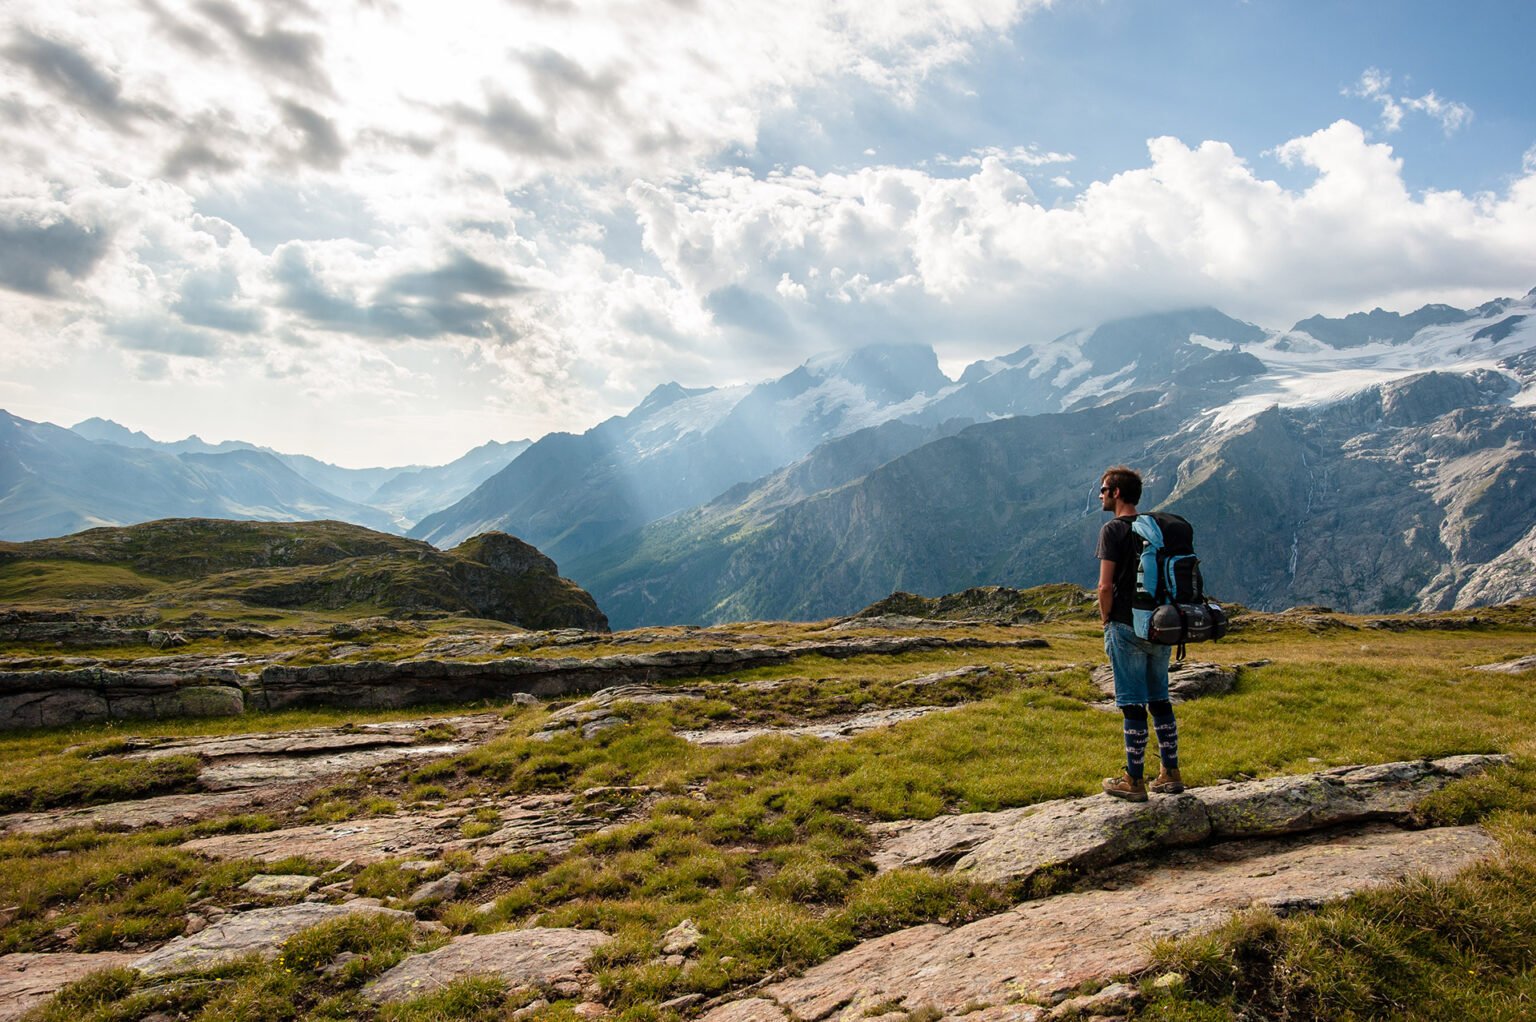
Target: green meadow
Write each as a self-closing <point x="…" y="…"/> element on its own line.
<point x="766" y="846"/>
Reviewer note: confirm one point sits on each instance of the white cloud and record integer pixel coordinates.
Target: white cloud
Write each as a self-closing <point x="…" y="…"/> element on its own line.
<point x="1376" y="85"/>
<point x="1024" y="156"/>
<point x="979" y="260"/>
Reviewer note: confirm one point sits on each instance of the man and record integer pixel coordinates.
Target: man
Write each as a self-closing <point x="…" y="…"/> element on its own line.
<point x="1141" y="667"/>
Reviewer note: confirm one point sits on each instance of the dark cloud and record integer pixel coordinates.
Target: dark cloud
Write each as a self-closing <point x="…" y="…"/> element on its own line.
<point x="419" y="305"/>
<point x="163" y="337"/>
<point x="298" y="56"/>
<point x="513" y="128"/>
<point x="747" y="310"/>
<point x="195" y="154"/>
<point x="322" y="145"/>
<point x="189" y="37"/>
<point x="557" y="76"/>
<point x="463" y="275"/>
<point x="72" y="75"/>
<point x="210" y="299"/>
<point x="35" y="258"/>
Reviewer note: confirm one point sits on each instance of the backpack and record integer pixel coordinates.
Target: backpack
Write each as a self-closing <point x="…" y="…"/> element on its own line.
<point x="1169" y="606"/>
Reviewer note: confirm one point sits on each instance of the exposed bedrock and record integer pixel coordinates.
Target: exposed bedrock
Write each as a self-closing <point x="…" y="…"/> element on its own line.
<point x="1091" y="833"/>
<point x="52" y="698"/>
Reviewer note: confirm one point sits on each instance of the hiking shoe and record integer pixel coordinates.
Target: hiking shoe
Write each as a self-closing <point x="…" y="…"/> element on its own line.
<point x="1126" y="788"/>
<point x="1169" y="782"/>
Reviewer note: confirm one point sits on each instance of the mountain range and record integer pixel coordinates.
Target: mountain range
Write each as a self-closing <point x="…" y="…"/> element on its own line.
<point x="1376" y="461"/>
<point x="56" y="481"/>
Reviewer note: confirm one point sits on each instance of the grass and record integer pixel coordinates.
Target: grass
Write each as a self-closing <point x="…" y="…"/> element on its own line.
<point x="765" y="846"/>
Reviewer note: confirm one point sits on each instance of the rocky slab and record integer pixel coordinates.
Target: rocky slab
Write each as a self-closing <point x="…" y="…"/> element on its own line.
<point x="261" y="931"/>
<point x="160" y="811"/>
<point x="539" y="824"/>
<point x="27" y="980"/>
<point x="376" y="684"/>
<point x="1043" y="949"/>
<point x="1520" y="666"/>
<point x="553" y="958"/>
<point x="844" y="727"/>
<point x="1089" y="833"/>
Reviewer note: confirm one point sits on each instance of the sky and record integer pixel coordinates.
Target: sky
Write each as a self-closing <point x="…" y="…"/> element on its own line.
<point x="383" y="232"/>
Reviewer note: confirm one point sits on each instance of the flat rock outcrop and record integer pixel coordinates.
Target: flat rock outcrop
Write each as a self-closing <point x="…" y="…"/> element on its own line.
<point x="27" y="980"/>
<point x="160" y="811"/>
<point x="1041" y="950"/>
<point x="1093" y="832"/>
<point x="832" y="730"/>
<point x="415" y="681"/>
<point x="50" y="698"/>
<point x="260" y="931"/>
<point x="552" y="958"/>
<point x="539" y="824"/>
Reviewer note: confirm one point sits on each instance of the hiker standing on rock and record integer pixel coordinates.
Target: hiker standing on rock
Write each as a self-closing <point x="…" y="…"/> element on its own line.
<point x="1141" y="667"/>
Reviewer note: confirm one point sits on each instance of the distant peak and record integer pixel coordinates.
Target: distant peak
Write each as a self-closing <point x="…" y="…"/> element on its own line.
<point x="668" y="394"/>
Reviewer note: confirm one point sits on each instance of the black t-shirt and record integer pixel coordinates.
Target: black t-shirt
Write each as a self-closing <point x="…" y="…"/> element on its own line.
<point x="1119" y="544"/>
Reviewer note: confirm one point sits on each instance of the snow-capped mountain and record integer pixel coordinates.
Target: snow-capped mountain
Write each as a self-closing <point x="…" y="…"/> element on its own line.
<point x="569" y="494"/>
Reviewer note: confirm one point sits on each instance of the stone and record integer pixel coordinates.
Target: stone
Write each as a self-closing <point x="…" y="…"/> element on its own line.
<point x="164" y="640"/>
<point x="682" y="1003"/>
<point x="530" y="1009"/>
<point x="260" y="931"/>
<point x="1043" y="949"/>
<point x="829" y="730"/>
<point x="750" y="1009"/>
<point x="591" y="1009"/>
<point x="1093" y="832"/>
<point x="682" y="938"/>
<point x="268" y="885"/>
<point x="537" y="957"/>
<point x="1116" y="998"/>
<point x="1520" y="666"/>
<point x="27" y="980"/>
<point x="973" y="671"/>
<point x="433" y="891"/>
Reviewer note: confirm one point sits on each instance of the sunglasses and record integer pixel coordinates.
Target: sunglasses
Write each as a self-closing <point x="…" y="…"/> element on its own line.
<point x="1103" y="489"/>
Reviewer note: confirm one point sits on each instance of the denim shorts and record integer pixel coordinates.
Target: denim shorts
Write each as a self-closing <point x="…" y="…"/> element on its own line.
<point x="1141" y="667"/>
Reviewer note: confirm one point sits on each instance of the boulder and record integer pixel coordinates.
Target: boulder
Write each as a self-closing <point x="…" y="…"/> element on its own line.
<point x="553" y="958"/>
<point x="434" y="891"/>
<point x="261" y="932"/>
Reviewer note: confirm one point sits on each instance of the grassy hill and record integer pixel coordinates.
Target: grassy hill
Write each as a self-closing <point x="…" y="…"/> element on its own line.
<point x="224" y="570"/>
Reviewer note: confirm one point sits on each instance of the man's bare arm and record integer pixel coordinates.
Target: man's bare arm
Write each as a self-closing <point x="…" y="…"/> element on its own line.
<point x="1106" y="589"/>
